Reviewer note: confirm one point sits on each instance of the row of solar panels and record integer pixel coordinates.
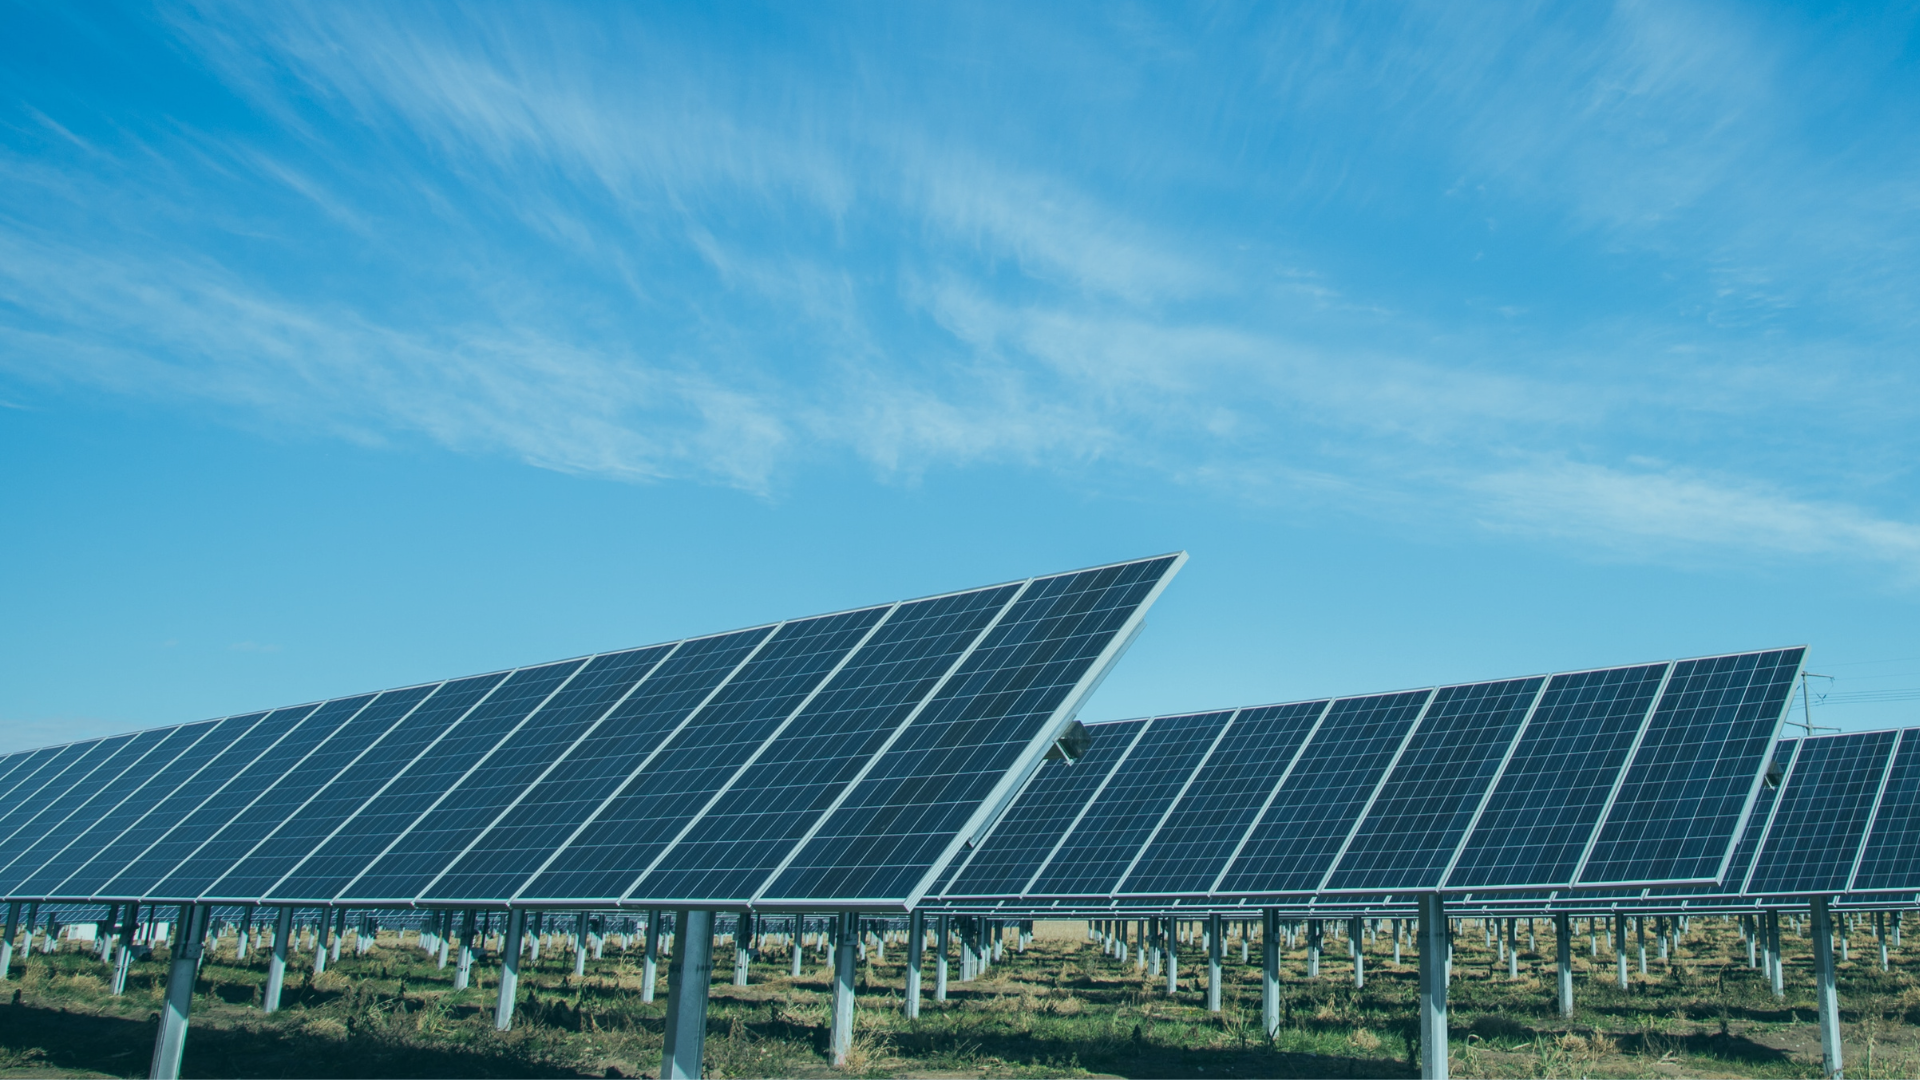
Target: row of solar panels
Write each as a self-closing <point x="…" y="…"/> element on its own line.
<point x="843" y="757"/>
<point x="1606" y="778"/>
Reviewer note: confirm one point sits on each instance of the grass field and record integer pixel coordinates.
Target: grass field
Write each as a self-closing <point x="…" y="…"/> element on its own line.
<point x="1061" y="1009"/>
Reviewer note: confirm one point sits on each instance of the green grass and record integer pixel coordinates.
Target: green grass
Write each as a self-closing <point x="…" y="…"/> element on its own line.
<point x="1061" y="1010"/>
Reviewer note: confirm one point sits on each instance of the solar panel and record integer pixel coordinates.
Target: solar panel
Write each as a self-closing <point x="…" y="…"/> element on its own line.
<point x="1891" y="859"/>
<point x="699" y="769"/>
<point x="1542" y="813"/>
<point x="308" y="775"/>
<point x="741" y="838"/>
<point x="186" y="836"/>
<point x="953" y="769"/>
<point x="1693" y="779"/>
<point x="88" y="870"/>
<point x="1293" y="845"/>
<point x="35" y="823"/>
<point x="1060" y="792"/>
<point x="1108" y="839"/>
<point x="58" y="854"/>
<point x="519" y="843"/>
<point x="1509" y="783"/>
<point x="1201" y="833"/>
<point x="1429" y="799"/>
<point x="340" y="798"/>
<point x="1822" y="813"/>
<point x="465" y="808"/>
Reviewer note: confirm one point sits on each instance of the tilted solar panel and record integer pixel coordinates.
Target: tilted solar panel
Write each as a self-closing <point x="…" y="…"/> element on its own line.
<point x="1109" y="838"/>
<point x="1427" y="803"/>
<point x="1061" y="791"/>
<point x="1821" y="816"/>
<point x="1891" y="860"/>
<point x="1541" y="815"/>
<point x="1508" y="785"/>
<point x="1228" y="791"/>
<point x="1692" y="781"/>
<point x="702" y="770"/>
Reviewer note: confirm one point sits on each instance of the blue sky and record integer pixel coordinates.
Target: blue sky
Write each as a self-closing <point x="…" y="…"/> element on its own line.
<point x="343" y="347"/>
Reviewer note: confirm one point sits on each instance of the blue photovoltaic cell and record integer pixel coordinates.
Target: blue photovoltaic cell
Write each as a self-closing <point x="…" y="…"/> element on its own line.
<point x="380" y="759"/>
<point x="516" y="846"/>
<point x="901" y="821"/>
<point x="1109" y="837"/>
<point x="84" y="844"/>
<point x="45" y="825"/>
<point x="69" y="771"/>
<point x="443" y="832"/>
<point x="418" y="783"/>
<point x="1680" y="804"/>
<point x="138" y="878"/>
<point x="1823" y="814"/>
<point x="740" y="841"/>
<point x="1193" y="846"/>
<point x="607" y="857"/>
<point x="91" y="875"/>
<point x="1033" y="825"/>
<point x="1293" y="843"/>
<point x="44" y="764"/>
<point x="1427" y="802"/>
<point x="1737" y="870"/>
<point x="18" y="766"/>
<point x="306" y="775"/>
<point x="1892" y="858"/>
<point x="1542" y="812"/>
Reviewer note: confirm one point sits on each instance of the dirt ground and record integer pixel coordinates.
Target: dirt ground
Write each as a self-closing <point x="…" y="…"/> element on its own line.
<point x="1061" y="1009"/>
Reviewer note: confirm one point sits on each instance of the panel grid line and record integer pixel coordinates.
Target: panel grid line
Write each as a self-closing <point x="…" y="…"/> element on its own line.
<point x="470" y="770"/>
<point x="1121" y="881"/>
<point x="932" y="694"/>
<point x="652" y="755"/>
<point x="1466" y="835"/>
<point x="760" y="750"/>
<point x="551" y="766"/>
<point x="1285" y="775"/>
<point x="1626" y="766"/>
<point x="1333" y="865"/>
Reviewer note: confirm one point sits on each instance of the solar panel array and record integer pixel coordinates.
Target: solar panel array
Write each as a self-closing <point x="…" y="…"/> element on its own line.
<point x="845" y="757"/>
<point x="1609" y="778"/>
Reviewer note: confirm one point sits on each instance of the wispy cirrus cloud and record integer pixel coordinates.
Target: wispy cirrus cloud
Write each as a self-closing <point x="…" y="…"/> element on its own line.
<point x="603" y="246"/>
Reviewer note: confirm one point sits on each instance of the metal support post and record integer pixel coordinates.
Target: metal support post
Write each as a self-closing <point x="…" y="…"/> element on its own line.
<point x="463" y="973"/>
<point x="742" y="944"/>
<point x="320" y="941"/>
<point x="1776" y="973"/>
<point x="123" y="951"/>
<point x="1620" y="947"/>
<point x="1824" y="992"/>
<point x="580" y="945"/>
<point x="1355" y="940"/>
<point x="509" y="968"/>
<point x="1270" y="971"/>
<point x="1432" y="942"/>
<point x="650" y="973"/>
<point x="916" y="949"/>
<point x="840" y="1037"/>
<point x="170" y="1042"/>
<point x="941" y="935"/>
<point x="1640" y="928"/>
<point x="1315" y="934"/>
<point x="277" y="959"/>
<point x="1213" y="963"/>
<point x="1173" y="958"/>
<point x="689" y="976"/>
<point x="796" y="955"/>
<point x="6" y="947"/>
<point x="340" y="934"/>
<point x="1563" y="950"/>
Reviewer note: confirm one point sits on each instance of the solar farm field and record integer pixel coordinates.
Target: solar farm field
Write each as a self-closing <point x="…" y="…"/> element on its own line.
<point x="1062" y="1008"/>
